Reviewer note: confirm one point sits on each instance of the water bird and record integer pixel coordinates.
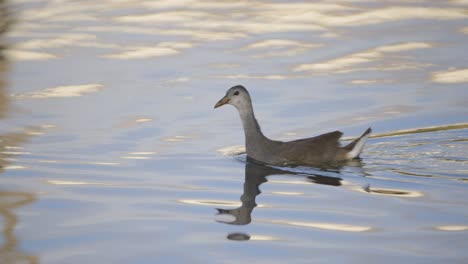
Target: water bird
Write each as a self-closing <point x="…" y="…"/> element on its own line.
<point x="324" y="149"/>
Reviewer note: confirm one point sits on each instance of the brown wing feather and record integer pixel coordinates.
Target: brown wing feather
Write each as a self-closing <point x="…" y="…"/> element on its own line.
<point x="319" y="149"/>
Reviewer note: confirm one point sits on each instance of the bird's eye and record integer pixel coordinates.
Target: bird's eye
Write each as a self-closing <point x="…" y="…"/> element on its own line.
<point x="236" y="93"/>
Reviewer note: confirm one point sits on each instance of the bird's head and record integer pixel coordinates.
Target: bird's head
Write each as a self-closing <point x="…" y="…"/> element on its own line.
<point x="237" y="96"/>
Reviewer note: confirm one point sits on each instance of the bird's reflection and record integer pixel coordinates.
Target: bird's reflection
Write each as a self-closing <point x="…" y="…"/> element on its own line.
<point x="256" y="174"/>
<point x="10" y="251"/>
<point x="5" y="23"/>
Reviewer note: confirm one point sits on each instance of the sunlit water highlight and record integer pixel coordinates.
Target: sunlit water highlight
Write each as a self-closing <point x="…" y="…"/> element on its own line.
<point x="110" y="151"/>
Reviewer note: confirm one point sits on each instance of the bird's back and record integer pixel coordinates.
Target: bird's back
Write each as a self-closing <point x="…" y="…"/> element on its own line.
<point x="309" y="151"/>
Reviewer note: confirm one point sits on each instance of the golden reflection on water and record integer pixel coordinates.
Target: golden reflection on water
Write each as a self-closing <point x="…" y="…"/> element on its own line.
<point x="464" y="30"/>
<point x="10" y="142"/>
<point x="212" y="202"/>
<point x="134" y="121"/>
<point x="288" y="193"/>
<point x="143" y="120"/>
<point x="450" y="76"/>
<point x="178" y="138"/>
<point x="350" y="62"/>
<point x="14" y="167"/>
<point x="263" y="238"/>
<point x="102" y="163"/>
<point x="136" y="157"/>
<point x="62" y="182"/>
<point x="14" y="152"/>
<point x="201" y="21"/>
<point x="363" y="81"/>
<point x="324" y="226"/>
<point x="279" y="47"/>
<point x="261" y="77"/>
<point x="142" y="53"/>
<point x="25" y="55"/>
<point x="452" y="228"/>
<point x="143" y="153"/>
<point x="393" y="192"/>
<point x="300" y="182"/>
<point x="208" y="202"/>
<point x="99" y="163"/>
<point x="140" y="155"/>
<point x="62" y="91"/>
<point x="275" y="17"/>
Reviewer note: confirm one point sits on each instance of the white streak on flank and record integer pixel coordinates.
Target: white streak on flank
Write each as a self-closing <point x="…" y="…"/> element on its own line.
<point x="357" y="148"/>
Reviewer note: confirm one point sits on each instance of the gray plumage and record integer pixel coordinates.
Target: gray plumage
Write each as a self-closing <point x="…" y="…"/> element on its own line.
<point x="319" y="150"/>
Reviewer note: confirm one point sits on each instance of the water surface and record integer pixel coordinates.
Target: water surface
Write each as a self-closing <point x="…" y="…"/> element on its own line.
<point x="111" y="152"/>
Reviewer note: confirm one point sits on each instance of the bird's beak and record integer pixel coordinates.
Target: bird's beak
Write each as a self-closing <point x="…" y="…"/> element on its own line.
<point x="221" y="102"/>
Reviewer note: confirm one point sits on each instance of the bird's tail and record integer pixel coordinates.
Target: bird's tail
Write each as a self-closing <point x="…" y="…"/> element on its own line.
<point x="355" y="147"/>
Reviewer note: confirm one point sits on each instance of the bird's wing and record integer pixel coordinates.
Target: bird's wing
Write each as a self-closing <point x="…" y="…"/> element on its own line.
<point x="317" y="149"/>
<point x="326" y="138"/>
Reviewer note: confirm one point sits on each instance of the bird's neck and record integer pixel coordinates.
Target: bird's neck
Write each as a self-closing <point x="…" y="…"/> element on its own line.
<point x="254" y="138"/>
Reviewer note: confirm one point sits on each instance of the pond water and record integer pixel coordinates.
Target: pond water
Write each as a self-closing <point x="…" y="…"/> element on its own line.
<point x="111" y="151"/>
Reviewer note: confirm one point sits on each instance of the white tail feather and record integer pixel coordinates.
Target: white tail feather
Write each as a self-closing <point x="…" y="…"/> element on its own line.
<point x="354" y="153"/>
